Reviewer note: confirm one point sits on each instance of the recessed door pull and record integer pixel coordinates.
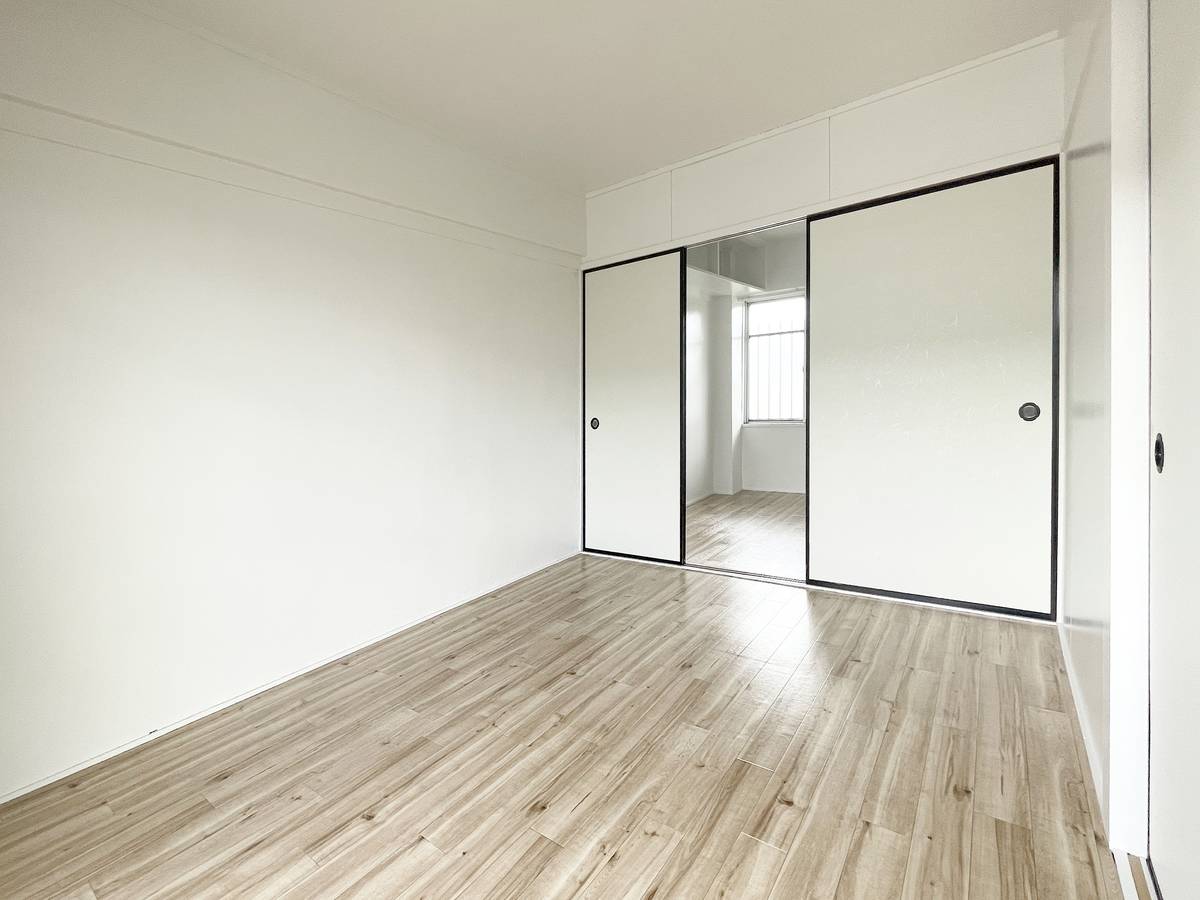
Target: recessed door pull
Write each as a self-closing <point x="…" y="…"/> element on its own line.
<point x="1160" y="452"/>
<point x="1029" y="411"/>
<point x="595" y="423"/>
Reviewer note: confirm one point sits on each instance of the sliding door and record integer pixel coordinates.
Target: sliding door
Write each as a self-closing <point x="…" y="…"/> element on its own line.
<point x="932" y="393"/>
<point x="1175" y="485"/>
<point x="632" y="432"/>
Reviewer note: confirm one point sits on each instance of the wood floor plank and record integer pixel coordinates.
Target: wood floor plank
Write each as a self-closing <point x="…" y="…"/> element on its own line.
<point x="909" y="697"/>
<point x="750" y="531"/>
<point x="840" y="619"/>
<point x="81" y="891"/>
<point x="510" y="785"/>
<point x="509" y="877"/>
<point x="789" y="709"/>
<point x="709" y="829"/>
<point x="932" y="643"/>
<point x="605" y="728"/>
<point x="1001" y="773"/>
<point x="122" y="838"/>
<point x="749" y="872"/>
<point x="633" y="766"/>
<point x="727" y="681"/>
<point x="785" y="802"/>
<point x="1002" y="866"/>
<point x="817" y="853"/>
<point x="612" y="810"/>
<point x="480" y="860"/>
<point x="1067" y="862"/>
<point x="366" y="869"/>
<point x="797" y="642"/>
<point x="227" y="854"/>
<point x="958" y="698"/>
<point x="875" y="864"/>
<point x="636" y="862"/>
<point x="431" y="778"/>
<point x="1058" y="792"/>
<point x="874" y="704"/>
<point x="769" y="641"/>
<point x="939" y="860"/>
<point x="864" y="644"/>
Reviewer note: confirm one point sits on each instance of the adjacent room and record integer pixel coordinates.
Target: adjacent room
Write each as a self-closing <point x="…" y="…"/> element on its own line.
<point x="744" y="417"/>
<point x="622" y="450"/>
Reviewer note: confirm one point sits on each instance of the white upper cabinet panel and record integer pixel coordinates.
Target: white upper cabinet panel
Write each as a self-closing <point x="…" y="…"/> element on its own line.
<point x="630" y="217"/>
<point x="774" y="175"/>
<point x="1011" y="104"/>
<point x="1002" y="109"/>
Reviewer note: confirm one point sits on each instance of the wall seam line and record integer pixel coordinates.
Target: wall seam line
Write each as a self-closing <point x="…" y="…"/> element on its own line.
<point x="233" y="160"/>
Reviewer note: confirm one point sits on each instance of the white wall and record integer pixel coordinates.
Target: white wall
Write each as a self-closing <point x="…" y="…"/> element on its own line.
<point x="1086" y="406"/>
<point x="1104" y="562"/>
<point x="999" y="109"/>
<point x="714" y="402"/>
<point x="729" y="408"/>
<point x="279" y="376"/>
<point x="773" y="456"/>
<point x="773" y="452"/>
<point x="1129" y="380"/>
<point x="786" y="263"/>
<point x="702" y="380"/>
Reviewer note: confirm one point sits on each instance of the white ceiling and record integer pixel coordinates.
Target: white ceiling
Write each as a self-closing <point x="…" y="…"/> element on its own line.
<point x="586" y="93"/>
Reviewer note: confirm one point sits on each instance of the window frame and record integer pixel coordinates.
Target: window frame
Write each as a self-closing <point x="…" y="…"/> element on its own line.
<point x="747" y="302"/>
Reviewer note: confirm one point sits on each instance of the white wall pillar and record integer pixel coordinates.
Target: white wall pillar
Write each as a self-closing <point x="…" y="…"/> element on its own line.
<point x="1129" y="657"/>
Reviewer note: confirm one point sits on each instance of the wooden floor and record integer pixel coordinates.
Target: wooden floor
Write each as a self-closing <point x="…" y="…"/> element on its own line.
<point x="751" y="531"/>
<point x="608" y="728"/>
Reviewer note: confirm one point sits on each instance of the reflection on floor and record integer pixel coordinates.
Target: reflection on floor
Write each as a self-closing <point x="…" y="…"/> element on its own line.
<point x="750" y="531"/>
<point x="610" y="729"/>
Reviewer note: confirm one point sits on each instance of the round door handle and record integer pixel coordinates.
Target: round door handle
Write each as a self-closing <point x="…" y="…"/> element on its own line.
<point x="595" y="423"/>
<point x="1029" y="411"/>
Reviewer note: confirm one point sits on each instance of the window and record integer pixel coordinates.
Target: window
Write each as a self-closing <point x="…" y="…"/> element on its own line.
<point x="775" y="360"/>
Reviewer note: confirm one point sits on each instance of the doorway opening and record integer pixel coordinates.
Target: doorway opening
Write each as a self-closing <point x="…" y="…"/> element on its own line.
<point x="746" y="376"/>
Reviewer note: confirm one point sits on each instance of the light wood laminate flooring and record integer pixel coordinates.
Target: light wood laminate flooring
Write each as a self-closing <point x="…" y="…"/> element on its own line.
<point x="761" y="532"/>
<point x="607" y="728"/>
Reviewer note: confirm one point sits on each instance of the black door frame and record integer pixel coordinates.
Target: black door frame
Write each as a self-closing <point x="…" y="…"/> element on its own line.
<point x="1053" y="162"/>
<point x="583" y="426"/>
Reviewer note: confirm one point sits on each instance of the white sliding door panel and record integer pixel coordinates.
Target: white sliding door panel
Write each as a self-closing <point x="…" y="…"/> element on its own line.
<point x="931" y="323"/>
<point x="1175" y="491"/>
<point x="632" y="477"/>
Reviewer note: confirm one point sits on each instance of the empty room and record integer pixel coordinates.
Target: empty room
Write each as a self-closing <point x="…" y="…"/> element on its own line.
<point x="600" y="450"/>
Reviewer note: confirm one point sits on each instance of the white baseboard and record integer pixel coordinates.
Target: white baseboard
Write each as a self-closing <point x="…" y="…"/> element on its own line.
<point x="1089" y="739"/>
<point x="157" y="733"/>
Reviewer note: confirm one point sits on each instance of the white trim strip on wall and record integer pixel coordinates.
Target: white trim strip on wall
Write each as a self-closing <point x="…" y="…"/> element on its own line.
<point x="41" y="122"/>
